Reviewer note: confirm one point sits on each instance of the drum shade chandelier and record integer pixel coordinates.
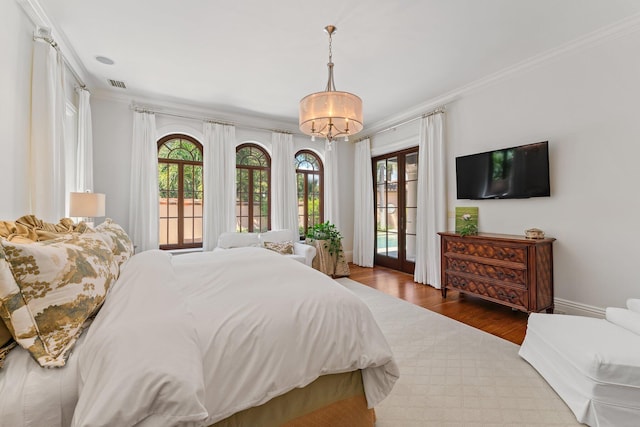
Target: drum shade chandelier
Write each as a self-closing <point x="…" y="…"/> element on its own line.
<point x="331" y="114"/>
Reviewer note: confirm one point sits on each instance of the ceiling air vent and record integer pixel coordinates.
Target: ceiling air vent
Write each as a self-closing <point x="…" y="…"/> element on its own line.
<point x="117" y="83"/>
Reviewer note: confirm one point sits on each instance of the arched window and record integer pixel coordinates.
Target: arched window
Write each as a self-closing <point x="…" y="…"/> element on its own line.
<point x="310" y="177"/>
<point x="253" y="178"/>
<point x="181" y="191"/>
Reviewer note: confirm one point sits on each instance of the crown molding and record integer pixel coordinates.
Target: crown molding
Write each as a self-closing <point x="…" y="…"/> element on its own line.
<point x="39" y="18"/>
<point x="619" y="29"/>
<point x="196" y="112"/>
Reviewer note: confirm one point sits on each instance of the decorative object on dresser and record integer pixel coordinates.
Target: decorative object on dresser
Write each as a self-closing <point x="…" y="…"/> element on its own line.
<point x="507" y="269"/>
<point x="534" y="233"/>
<point x="467" y="220"/>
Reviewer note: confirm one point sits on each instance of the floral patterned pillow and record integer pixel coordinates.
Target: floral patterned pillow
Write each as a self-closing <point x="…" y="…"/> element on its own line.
<point x="118" y="239"/>
<point x="284" y="248"/>
<point x="49" y="289"/>
<point x="4" y="350"/>
<point x="6" y="341"/>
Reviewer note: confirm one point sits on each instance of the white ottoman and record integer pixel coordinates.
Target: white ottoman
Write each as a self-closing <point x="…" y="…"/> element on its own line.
<point x="592" y="364"/>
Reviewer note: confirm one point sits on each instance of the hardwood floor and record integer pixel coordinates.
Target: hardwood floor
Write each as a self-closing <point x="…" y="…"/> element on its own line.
<point x="487" y="316"/>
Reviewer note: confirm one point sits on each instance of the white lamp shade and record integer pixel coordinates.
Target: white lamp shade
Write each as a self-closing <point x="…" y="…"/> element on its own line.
<point x="88" y="205"/>
<point x="342" y="109"/>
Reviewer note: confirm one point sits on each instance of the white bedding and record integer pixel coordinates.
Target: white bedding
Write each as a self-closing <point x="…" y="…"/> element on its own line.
<point x="191" y="339"/>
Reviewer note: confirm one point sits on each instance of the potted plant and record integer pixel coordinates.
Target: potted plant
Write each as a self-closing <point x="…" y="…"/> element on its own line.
<point x="326" y="236"/>
<point x="329" y="233"/>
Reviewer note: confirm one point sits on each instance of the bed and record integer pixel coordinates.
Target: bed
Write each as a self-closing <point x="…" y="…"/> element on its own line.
<point x="201" y="339"/>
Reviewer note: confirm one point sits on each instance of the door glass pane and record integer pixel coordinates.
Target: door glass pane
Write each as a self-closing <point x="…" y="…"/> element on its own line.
<point x="381" y="242"/>
<point x="410" y="247"/>
<point x="392" y="218"/>
<point x="392" y="169"/>
<point x="381" y="167"/>
<point x="392" y="245"/>
<point x="410" y="220"/>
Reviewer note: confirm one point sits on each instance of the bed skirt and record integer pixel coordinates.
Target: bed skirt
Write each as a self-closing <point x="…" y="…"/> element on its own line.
<point x="332" y="400"/>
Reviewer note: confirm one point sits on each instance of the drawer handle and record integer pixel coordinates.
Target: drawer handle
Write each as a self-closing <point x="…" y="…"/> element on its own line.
<point x="510" y="297"/>
<point x="511" y="275"/>
<point x="458" y="282"/>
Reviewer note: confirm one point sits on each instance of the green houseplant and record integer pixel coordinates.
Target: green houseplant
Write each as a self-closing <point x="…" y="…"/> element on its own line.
<point x="329" y="233"/>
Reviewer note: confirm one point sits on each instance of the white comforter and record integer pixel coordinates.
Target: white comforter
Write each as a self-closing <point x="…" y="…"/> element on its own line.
<point x="191" y="339"/>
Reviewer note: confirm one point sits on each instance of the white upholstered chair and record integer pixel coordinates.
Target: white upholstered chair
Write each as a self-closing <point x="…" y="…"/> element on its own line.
<point x="593" y="364"/>
<point x="301" y="252"/>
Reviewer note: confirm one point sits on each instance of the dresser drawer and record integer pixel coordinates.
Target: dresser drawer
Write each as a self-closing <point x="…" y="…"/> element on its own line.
<point x="517" y="297"/>
<point x="489" y="250"/>
<point x="516" y="277"/>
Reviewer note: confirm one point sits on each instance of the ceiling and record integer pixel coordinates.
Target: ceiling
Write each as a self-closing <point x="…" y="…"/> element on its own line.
<point x="259" y="58"/>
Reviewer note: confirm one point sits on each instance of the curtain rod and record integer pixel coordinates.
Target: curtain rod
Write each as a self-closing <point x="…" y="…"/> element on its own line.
<point x="141" y="109"/>
<point x="64" y="59"/>
<point x="439" y="110"/>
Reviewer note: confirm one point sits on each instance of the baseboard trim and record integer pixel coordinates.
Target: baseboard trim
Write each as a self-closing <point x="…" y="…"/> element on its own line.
<point x="563" y="306"/>
<point x="348" y="255"/>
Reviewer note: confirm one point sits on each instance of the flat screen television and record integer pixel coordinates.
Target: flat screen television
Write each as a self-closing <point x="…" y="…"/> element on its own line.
<point x="510" y="173"/>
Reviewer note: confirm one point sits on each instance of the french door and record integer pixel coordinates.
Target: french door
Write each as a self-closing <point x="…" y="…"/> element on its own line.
<point x="396" y="190"/>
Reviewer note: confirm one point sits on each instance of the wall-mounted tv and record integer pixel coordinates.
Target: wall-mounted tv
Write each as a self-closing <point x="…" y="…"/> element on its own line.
<point x="510" y="173"/>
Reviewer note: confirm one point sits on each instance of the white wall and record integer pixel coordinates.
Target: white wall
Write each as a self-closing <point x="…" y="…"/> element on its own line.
<point x="15" y="83"/>
<point x="585" y="103"/>
<point x="112" y="133"/>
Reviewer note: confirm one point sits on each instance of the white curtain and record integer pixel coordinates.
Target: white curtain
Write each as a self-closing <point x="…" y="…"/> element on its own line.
<point x="143" y="198"/>
<point x="84" y="153"/>
<point x="331" y="183"/>
<point x="432" y="203"/>
<point x="284" y="205"/>
<point x="219" y="182"/>
<point x="47" y="185"/>
<point x="363" y="225"/>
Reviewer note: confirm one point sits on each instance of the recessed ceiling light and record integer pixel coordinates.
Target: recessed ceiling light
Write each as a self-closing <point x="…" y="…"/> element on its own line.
<point x="105" y="60"/>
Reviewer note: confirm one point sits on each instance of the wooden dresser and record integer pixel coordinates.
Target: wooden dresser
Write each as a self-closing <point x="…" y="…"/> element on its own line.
<point x="507" y="269"/>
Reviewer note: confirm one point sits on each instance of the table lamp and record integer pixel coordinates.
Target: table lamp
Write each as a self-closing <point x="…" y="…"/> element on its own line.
<point x="86" y="206"/>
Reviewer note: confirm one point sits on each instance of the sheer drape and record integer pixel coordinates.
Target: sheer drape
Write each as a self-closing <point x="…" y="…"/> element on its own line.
<point x="331" y="212"/>
<point x="363" y="225"/>
<point x="84" y="152"/>
<point x="284" y="205"/>
<point x="47" y="185"/>
<point x="432" y="203"/>
<point x="143" y="199"/>
<point x="219" y="181"/>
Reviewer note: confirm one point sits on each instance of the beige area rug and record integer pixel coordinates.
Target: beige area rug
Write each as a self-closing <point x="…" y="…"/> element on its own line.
<point x="454" y="375"/>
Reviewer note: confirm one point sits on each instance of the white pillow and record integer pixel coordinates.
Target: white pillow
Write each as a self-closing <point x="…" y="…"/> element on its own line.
<point x="633" y="304"/>
<point x="624" y="318"/>
<point x="238" y="240"/>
